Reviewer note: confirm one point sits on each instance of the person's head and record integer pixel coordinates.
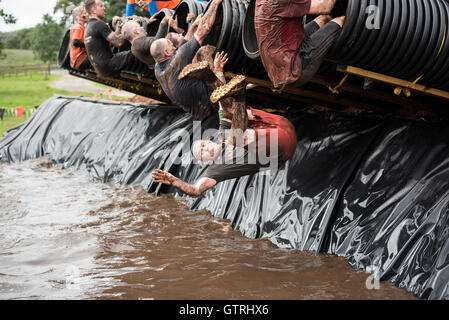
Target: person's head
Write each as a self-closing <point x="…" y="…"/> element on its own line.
<point x="175" y="38"/>
<point x="95" y="8"/>
<point x="80" y="15"/>
<point x="133" y="30"/>
<point x="162" y="49"/>
<point x="205" y="150"/>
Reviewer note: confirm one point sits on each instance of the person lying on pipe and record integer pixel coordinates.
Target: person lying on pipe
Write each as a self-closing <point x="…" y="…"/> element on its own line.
<point x="291" y="53"/>
<point x="252" y="141"/>
<point x="98" y="39"/>
<point x="190" y="94"/>
<point x="140" y="42"/>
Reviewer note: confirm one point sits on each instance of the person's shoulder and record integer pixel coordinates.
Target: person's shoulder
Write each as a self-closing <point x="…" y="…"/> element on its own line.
<point x="76" y="26"/>
<point x="97" y="23"/>
<point x="140" y="41"/>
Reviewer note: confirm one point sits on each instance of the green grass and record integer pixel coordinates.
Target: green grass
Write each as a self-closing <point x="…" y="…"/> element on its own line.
<point x="28" y="91"/>
<point x="18" y="58"/>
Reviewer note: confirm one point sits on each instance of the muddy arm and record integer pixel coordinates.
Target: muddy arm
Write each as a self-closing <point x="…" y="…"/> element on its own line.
<point x="195" y="190"/>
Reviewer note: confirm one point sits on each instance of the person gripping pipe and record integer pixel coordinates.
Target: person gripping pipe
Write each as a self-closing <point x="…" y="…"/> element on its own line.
<point x="251" y="141"/>
<point x="140" y="42"/>
<point x="290" y="52"/>
<point x="186" y="90"/>
<point x="98" y="39"/>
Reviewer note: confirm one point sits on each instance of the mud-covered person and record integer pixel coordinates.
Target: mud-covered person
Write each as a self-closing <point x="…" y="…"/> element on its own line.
<point x="99" y="37"/>
<point x="78" y="54"/>
<point x="190" y="94"/>
<point x="290" y="52"/>
<point x="251" y="141"/>
<point x="140" y="42"/>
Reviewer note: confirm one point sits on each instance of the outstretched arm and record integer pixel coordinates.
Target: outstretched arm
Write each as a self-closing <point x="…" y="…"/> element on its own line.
<point x="192" y="190"/>
<point x="193" y="28"/>
<point x="207" y="21"/>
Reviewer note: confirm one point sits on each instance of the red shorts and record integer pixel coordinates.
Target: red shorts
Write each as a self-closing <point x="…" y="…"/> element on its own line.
<point x="280" y="32"/>
<point x="265" y="124"/>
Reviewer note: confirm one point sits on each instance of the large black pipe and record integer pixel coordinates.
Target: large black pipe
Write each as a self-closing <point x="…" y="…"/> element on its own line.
<point x="186" y="7"/>
<point x="410" y="41"/>
<point x="154" y="26"/>
<point x="407" y="39"/>
<point x="226" y="35"/>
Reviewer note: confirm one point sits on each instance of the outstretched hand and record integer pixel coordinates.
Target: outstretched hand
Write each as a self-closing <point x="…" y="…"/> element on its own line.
<point x="190" y="17"/>
<point x="161" y="176"/>
<point x="220" y="60"/>
<point x="153" y="18"/>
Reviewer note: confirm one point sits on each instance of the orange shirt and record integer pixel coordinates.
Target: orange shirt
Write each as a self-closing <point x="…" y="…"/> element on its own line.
<point x="77" y="55"/>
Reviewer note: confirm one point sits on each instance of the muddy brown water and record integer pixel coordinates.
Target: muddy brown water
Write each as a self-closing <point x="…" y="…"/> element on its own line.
<point x="66" y="236"/>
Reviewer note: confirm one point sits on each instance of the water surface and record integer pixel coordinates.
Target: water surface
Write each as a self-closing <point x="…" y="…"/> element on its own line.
<point x="66" y="236"/>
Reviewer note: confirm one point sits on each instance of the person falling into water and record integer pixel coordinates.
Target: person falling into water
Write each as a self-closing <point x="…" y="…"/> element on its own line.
<point x="247" y="134"/>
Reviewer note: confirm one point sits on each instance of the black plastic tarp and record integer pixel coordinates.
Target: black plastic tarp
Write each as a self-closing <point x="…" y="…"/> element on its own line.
<point x="372" y="189"/>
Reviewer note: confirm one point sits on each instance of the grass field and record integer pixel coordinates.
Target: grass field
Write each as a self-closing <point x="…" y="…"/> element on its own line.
<point x="18" y="58"/>
<point x="27" y="91"/>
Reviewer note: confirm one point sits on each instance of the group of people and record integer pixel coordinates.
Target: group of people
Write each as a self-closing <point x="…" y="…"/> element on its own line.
<point x="192" y="77"/>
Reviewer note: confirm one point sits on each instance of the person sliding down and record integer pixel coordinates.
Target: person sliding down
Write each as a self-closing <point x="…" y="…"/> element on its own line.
<point x="291" y="53"/>
<point x="249" y="135"/>
<point x="191" y="94"/>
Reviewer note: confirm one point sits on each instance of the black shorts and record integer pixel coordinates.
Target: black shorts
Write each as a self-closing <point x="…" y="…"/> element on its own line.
<point x="315" y="46"/>
<point x="85" y="65"/>
<point x="119" y="61"/>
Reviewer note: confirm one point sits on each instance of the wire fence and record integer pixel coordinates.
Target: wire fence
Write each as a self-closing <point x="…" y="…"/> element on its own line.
<point x="9" y="72"/>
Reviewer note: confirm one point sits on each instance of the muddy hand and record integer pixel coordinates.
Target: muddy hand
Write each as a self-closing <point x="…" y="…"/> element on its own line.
<point x="190" y="17"/>
<point x="161" y="176"/>
<point x="220" y="60"/>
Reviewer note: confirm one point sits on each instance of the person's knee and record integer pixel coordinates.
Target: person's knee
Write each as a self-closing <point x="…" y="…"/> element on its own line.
<point x="322" y="20"/>
<point x="321" y="6"/>
<point x="339" y="21"/>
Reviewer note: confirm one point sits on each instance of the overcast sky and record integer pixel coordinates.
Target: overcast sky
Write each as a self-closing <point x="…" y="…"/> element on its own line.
<point x="28" y="12"/>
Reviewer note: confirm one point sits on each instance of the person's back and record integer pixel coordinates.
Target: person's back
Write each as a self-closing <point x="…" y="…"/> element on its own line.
<point x="192" y="95"/>
<point x="141" y="50"/>
<point x="141" y="43"/>
<point x="77" y="53"/>
<point x="98" y="48"/>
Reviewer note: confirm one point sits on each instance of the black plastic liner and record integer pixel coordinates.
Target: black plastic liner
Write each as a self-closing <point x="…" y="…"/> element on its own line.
<point x="372" y="189"/>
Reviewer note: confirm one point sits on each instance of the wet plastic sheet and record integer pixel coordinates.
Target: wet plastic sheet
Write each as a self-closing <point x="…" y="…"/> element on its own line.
<point x="374" y="190"/>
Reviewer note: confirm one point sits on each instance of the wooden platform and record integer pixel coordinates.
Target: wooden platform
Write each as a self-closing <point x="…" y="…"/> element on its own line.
<point x="349" y="90"/>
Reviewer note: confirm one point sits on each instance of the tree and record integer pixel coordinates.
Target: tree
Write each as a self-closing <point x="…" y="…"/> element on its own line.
<point x="46" y="39"/>
<point x="7" y="18"/>
<point x="20" y="39"/>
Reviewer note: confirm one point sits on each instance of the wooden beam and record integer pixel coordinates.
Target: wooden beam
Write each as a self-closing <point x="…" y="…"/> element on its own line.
<point x="394" y="81"/>
<point x="317" y="97"/>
